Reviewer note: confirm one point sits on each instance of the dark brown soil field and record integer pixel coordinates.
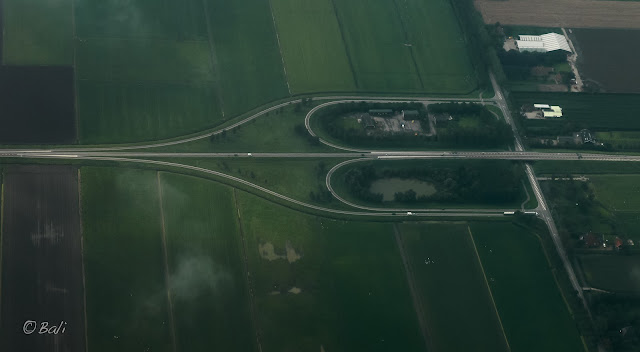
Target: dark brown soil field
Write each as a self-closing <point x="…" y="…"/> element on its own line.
<point x="37" y="105"/>
<point x="562" y="13"/>
<point x="41" y="260"/>
<point x="610" y="57"/>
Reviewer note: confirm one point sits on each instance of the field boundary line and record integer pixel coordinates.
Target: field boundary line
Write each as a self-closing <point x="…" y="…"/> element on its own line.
<point x="213" y="58"/>
<point x="484" y="275"/>
<point x="75" y="73"/>
<point x="1" y="232"/>
<point x="406" y="38"/>
<point x="166" y="264"/>
<point x="84" y="284"/>
<point x="417" y="302"/>
<point x="344" y="43"/>
<point x="284" y="65"/>
<point x="252" y="311"/>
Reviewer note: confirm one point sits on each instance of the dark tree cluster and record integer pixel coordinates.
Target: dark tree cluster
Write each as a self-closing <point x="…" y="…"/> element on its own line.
<point x="517" y="65"/>
<point x="492" y="182"/>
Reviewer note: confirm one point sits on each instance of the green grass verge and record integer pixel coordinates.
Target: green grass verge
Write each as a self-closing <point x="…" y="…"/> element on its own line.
<point x="532" y="309"/>
<point x="455" y="298"/>
<point x="617" y="273"/>
<point x="207" y="281"/>
<point x="295" y="178"/>
<point x="37" y="32"/>
<point x="353" y="295"/>
<point x="312" y="46"/>
<point x="127" y="307"/>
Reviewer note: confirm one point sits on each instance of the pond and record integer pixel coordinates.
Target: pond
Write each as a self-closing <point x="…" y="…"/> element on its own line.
<point x="390" y="186"/>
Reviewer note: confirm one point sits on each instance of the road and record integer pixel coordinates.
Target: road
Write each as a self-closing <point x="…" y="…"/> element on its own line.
<point x="129" y="153"/>
<point x="543" y="210"/>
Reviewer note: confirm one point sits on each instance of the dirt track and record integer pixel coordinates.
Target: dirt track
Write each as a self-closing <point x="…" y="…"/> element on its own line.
<point x="562" y="13"/>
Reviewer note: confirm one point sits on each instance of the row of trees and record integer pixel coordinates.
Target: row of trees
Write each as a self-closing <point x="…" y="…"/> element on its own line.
<point x="492" y="182"/>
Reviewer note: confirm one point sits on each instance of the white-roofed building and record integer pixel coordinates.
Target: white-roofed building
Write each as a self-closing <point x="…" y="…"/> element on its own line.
<point x="543" y="43"/>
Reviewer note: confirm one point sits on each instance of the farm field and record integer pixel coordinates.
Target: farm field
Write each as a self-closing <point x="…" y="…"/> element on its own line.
<point x="313" y="50"/>
<point x="123" y="253"/>
<point x="145" y="60"/>
<point x="534" y="314"/>
<point x="118" y="112"/>
<point x="411" y="54"/>
<point x="151" y="19"/>
<point x="374" y="38"/>
<point x="207" y="280"/>
<point x="455" y="296"/>
<point x="618" y="192"/>
<point x="37" y="105"/>
<point x="598" y="112"/>
<point x="597" y="47"/>
<point x="620" y="139"/>
<point x="326" y="284"/>
<point x="248" y="56"/>
<point x="617" y="273"/>
<point x="562" y="13"/>
<point x="585" y="167"/>
<point x="38" y="32"/>
<point x="42" y="276"/>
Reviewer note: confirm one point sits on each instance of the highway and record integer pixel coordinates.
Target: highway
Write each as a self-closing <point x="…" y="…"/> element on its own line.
<point x="132" y="154"/>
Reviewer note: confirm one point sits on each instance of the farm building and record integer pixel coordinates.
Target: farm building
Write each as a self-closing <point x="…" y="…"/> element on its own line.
<point x="543" y="43"/>
<point x="410" y="114"/>
<point x="553" y="111"/>
<point x="380" y="112"/>
<point x="548" y="110"/>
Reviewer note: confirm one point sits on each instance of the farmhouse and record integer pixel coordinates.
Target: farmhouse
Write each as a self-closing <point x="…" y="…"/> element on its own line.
<point x="543" y="43"/>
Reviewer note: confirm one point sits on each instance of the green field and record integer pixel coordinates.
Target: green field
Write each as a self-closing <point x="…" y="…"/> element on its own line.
<point x="408" y="46"/>
<point x="352" y="295"/>
<point x="314" y="53"/>
<point x="617" y="273"/>
<point x="138" y="82"/>
<point x="249" y="61"/>
<point x="531" y="307"/>
<point x="620" y="139"/>
<point x="455" y="296"/>
<point x="37" y="32"/>
<point x="114" y="112"/>
<point x="158" y="19"/>
<point x="208" y="289"/>
<point x="375" y="40"/>
<point x="599" y="112"/>
<point x="585" y="167"/>
<point x="143" y="60"/>
<point x="127" y="307"/>
<point x="618" y="192"/>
